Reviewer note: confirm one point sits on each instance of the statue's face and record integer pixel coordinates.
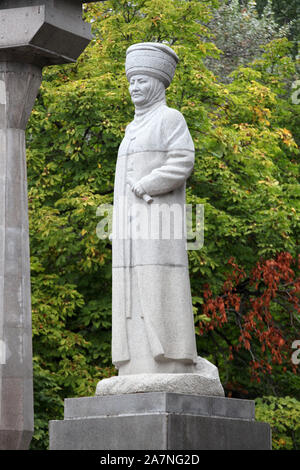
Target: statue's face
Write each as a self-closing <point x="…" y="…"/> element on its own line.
<point x="140" y="88"/>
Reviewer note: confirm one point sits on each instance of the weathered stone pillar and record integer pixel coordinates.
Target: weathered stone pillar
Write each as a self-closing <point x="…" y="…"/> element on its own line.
<point x="33" y="33"/>
<point x="19" y="84"/>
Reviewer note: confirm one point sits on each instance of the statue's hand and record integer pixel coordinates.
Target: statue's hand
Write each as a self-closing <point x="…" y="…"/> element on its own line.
<point x="138" y="190"/>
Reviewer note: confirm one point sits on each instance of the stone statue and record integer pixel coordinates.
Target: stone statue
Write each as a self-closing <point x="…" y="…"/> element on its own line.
<point x="153" y="336"/>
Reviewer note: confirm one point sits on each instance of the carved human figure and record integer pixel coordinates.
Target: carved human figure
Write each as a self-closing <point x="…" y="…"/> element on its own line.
<point x="153" y="326"/>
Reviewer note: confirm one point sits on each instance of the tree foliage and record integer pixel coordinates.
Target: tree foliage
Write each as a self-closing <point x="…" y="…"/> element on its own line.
<point x="285" y="11"/>
<point x="283" y="414"/>
<point x="246" y="175"/>
<point x="239" y="32"/>
<point x="251" y="303"/>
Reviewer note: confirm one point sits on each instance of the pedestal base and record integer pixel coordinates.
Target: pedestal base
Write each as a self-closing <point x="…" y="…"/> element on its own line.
<point x="194" y="384"/>
<point x="159" y="421"/>
<point x="204" y="380"/>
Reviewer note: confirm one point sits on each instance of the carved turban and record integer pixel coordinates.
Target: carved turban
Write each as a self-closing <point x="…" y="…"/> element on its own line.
<point x="153" y="59"/>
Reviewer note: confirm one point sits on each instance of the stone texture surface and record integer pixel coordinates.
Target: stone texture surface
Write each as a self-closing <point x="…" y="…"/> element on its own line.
<point x="202" y="380"/>
<point x="152" y="316"/>
<point x="159" y="421"/>
<point x="179" y="383"/>
<point x="19" y="85"/>
<point x="15" y="440"/>
<point x="158" y="402"/>
<point x="158" y="59"/>
<point x="48" y="32"/>
<point x="33" y="33"/>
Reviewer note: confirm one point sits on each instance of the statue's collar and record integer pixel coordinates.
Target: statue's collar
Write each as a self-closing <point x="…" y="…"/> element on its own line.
<point x="143" y="111"/>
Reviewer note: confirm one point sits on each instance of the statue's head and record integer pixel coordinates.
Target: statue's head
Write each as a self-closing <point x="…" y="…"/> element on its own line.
<point x="144" y="89"/>
<point x="150" y="68"/>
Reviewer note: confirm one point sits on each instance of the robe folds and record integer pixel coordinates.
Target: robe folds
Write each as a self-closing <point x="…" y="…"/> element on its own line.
<point x="151" y="288"/>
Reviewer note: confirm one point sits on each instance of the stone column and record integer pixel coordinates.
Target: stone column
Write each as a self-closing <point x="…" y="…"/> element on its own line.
<point x="19" y="84"/>
<point x="33" y="34"/>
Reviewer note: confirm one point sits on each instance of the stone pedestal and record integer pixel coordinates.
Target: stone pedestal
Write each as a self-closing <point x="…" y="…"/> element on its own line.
<point x="159" y="421"/>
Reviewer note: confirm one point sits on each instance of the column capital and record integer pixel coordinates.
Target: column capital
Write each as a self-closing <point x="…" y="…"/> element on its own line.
<point x="42" y="32"/>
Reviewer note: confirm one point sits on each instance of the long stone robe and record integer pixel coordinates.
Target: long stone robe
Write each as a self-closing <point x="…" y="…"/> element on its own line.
<point x="152" y="318"/>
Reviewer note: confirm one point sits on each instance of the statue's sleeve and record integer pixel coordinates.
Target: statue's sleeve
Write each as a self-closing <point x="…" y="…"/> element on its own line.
<point x="180" y="156"/>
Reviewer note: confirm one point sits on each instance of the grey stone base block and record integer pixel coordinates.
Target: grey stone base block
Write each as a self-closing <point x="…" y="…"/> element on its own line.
<point x="159" y="421"/>
<point x="194" y="384"/>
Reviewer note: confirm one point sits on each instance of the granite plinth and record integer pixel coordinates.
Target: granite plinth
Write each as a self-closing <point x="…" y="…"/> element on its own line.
<point x="159" y="421"/>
